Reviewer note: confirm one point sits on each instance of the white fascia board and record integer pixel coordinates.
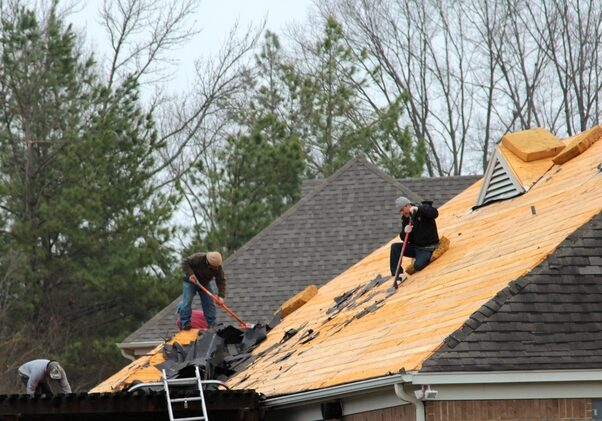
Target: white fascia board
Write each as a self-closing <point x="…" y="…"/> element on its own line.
<point x="532" y="376"/>
<point x="370" y="401"/>
<point x="505" y="391"/>
<point x="136" y="345"/>
<point x="340" y="391"/>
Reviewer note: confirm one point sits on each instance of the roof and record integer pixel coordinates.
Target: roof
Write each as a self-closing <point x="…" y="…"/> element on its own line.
<point x="310" y="185"/>
<point x="377" y="333"/>
<point x="547" y="319"/>
<point x="341" y="220"/>
<point x="221" y="404"/>
<point x="144" y="369"/>
<point x="439" y="189"/>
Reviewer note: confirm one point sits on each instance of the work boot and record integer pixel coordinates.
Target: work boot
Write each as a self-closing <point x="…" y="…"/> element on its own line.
<point x="399" y="281"/>
<point x="187" y="326"/>
<point x="441" y="248"/>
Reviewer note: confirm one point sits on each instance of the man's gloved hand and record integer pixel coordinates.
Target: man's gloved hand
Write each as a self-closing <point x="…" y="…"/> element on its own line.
<point x="193" y="279"/>
<point x="407" y="229"/>
<point x="413" y="210"/>
<point x="220" y="299"/>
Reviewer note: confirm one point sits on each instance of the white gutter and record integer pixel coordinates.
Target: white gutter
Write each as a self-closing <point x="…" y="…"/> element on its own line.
<point x="332" y="392"/>
<point x="128" y="349"/>
<point x="532" y="376"/>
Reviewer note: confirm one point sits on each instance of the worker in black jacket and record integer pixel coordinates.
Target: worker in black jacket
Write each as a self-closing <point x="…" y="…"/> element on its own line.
<point x="419" y="222"/>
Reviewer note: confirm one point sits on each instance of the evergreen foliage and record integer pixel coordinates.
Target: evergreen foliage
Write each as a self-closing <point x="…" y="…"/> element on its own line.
<point x="84" y="227"/>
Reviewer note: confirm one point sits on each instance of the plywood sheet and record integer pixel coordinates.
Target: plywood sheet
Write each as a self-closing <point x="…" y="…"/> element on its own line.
<point x="533" y="144"/>
<point x="579" y="144"/>
<point x="298" y="300"/>
<point x="490" y="247"/>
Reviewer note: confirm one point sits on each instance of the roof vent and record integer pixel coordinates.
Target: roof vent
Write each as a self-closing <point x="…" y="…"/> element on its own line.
<point x="499" y="183"/>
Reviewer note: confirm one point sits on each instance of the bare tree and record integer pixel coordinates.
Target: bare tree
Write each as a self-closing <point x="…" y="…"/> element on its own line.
<point x="570" y="34"/>
<point x="474" y="70"/>
<point x="142" y="34"/>
<point x="415" y="48"/>
<point x="509" y="73"/>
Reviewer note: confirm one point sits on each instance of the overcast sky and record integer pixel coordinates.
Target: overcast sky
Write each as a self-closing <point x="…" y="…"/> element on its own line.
<point x="214" y="17"/>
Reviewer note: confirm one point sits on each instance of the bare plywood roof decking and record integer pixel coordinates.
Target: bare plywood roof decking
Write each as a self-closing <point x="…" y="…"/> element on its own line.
<point x="490" y="247"/>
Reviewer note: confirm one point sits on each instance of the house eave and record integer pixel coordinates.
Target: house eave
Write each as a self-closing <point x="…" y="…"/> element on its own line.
<point x="128" y="349"/>
<point x="488" y="377"/>
<point x="334" y="392"/>
<point x="533" y="384"/>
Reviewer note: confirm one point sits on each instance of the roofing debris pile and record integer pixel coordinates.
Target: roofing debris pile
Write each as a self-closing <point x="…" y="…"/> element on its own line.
<point x="357" y="302"/>
<point x="225" y="350"/>
<point x="219" y="352"/>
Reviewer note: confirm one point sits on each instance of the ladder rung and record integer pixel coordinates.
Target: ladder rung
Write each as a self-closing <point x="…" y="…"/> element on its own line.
<point x="185" y="380"/>
<point x="191" y="399"/>
<point x="170" y="401"/>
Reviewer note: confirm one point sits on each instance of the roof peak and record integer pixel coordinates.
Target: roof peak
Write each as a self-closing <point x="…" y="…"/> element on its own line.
<point x="357" y="161"/>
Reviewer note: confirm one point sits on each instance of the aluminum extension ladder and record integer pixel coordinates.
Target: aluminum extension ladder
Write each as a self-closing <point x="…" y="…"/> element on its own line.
<point x="170" y="401"/>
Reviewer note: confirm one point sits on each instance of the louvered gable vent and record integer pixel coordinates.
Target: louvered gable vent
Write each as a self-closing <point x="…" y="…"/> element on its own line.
<point x="499" y="183"/>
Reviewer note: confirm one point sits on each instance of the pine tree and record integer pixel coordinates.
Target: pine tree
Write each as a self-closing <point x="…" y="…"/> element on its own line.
<point x="256" y="174"/>
<point x="86" y="227"/>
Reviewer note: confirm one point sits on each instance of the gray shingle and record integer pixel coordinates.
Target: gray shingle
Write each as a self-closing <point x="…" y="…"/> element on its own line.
<point x="553" y="322"/>
<point x="337" y="223"/>
<point x="439" y="189"/>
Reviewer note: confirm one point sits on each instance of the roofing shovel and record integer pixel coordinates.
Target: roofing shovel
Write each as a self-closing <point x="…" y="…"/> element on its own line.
<point x="217" y="301"/>
<point x="396" y="280"/>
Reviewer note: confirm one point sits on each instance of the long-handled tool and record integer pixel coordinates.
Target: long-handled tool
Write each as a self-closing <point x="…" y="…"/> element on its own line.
<point x="396" y="281"/>
<point x="193" y="279"/>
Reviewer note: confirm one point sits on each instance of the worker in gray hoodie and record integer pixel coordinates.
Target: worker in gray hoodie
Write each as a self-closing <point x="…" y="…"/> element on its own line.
<point x="37" y="375"/>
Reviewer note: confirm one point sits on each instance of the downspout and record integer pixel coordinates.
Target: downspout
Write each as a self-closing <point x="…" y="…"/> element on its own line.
<point x="127" y="354"/>
<point x="410" y="397"/>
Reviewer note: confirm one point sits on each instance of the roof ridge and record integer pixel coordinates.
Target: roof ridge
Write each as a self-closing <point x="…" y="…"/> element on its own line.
<point x="359" y="159"/>
<point x="491" y="307"/>
<point x="440" y="177"/>
<point x="377" y="171"/>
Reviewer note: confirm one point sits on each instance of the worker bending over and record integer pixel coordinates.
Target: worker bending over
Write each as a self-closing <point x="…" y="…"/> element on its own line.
<point x="204" y="268"/>
<point x="419" y="222"/>
<point x="37" y="375"/>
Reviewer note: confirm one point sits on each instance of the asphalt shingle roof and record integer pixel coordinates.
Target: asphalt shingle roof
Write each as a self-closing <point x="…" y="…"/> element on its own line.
<point x="549" y="319"/>
<point x="337" y="222"/>
<point x="439" y="189"/>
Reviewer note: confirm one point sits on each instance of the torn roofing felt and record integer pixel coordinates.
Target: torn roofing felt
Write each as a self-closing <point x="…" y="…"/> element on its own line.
<point x="219" y="353"/>
<point x="339" y="222"/>
<point x="490" y="248"/>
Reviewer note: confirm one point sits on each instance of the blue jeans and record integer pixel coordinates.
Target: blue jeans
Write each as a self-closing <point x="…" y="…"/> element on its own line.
<point x="188" y="292"/>
<point x="421" y="255"/>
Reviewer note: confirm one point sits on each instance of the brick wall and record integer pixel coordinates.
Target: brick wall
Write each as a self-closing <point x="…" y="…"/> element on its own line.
<point x="524" y="410"/>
